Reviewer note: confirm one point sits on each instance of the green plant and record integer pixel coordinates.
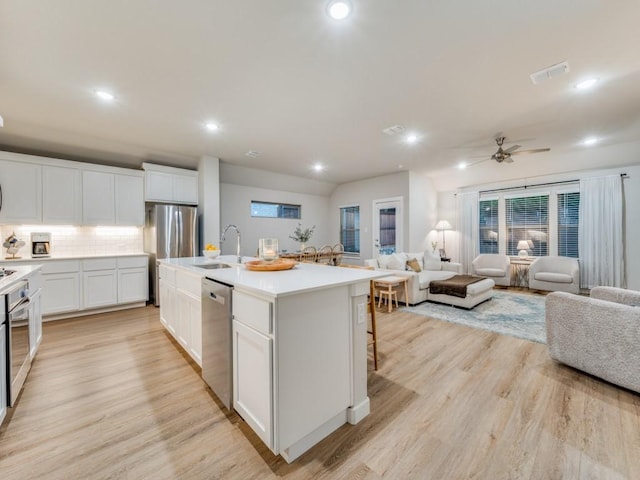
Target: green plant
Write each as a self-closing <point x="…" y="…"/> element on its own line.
<point x="300" y="235"/>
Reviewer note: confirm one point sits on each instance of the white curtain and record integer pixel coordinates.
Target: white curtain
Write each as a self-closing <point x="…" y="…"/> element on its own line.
<point x="468" y="226"/>
<point x="601" y="238"/>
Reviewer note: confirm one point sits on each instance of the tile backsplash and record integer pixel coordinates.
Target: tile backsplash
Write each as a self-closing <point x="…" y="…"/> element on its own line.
<point x="72" y="241"/>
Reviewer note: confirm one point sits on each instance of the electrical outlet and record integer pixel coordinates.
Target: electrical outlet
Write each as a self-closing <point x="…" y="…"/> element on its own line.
<point x="362" y="312"/>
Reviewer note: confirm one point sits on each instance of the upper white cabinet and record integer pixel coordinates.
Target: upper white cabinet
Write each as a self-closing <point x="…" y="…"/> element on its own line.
<point x="21" y="192"/>
<point x="170" y="185"/>
<point x="61" y="195"/>
<point x="112" y="199"/>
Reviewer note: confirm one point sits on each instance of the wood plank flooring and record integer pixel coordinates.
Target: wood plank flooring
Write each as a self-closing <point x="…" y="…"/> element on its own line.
<point x="111" y="397"/>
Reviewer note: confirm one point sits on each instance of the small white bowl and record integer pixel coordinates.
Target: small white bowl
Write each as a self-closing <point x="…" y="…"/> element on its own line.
<point x="211" y="254"/>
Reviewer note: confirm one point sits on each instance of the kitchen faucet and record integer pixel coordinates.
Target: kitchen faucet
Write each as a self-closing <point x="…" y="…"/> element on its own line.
<point x="238" y="234"/>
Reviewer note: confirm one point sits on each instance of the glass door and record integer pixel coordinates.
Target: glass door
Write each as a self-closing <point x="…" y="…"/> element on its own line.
<point x="387" y="226"/>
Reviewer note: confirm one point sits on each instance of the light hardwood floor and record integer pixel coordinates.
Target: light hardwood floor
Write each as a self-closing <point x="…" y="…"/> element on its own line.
<point x="111" y="396"/>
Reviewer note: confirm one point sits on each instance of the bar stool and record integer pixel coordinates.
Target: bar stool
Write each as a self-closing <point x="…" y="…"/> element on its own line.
<point x="391" y="295"/>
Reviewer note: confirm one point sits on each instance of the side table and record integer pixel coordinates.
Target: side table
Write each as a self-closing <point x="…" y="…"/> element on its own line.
<point x="387" y="285"/>
<point x="520" y="273"/>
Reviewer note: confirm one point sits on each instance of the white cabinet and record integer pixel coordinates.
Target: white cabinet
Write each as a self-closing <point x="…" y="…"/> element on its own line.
<point x="60" y="286"/>
<point x="35" y="322"/>
<point x="169" y="184"/>
<point x="129" y="198"/>
<point x="98" y="198"/>
<point x="21" y="193"/>
<point x="61" y="195"/>
<point x="3" y="372"/>
<point x="133" y="279"/>
<point x="100" y="288"/>
<point x="112" y="199"/>
<point x="253" y="379"/>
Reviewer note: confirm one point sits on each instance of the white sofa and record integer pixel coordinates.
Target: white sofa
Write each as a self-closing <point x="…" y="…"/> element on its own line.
<point x="555" y="274"/>
<point x="432" y="269"/>
<point x="494" y="266"/>
<point x="598" y="334"/>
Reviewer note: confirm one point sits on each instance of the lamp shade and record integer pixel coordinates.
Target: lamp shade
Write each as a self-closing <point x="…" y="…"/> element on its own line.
<point x="523" y="245"/>
<point x="443" y="225"/>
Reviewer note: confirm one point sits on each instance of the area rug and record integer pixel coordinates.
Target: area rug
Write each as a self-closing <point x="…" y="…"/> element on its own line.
<point x="509" y="313"/>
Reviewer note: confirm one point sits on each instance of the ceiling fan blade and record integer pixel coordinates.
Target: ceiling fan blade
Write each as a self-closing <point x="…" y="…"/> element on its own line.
<point x="536" y="150"/>
<point x="512" y="149"/>
<point x="476" y="162"/>
<point x="508" y="159"/>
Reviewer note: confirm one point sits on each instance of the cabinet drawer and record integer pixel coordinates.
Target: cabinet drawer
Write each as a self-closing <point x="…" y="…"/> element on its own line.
<point x="62" y="266"/>
<point x="98" y="264"/>
<point x="252" y="311"/>
<point x="132" y="262"/>
<point x="167" y="275"/>
<point x="189" y="283"/>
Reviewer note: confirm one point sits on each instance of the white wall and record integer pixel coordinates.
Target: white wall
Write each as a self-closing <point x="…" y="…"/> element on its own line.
<point x="363" y="193"/>
<point x="209" y="200"/>
<point x="236" y="209"/>
<point x="422" y="206"/>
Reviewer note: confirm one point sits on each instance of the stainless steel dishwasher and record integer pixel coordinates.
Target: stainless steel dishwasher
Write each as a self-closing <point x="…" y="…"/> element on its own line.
<point x="216" y="338"/>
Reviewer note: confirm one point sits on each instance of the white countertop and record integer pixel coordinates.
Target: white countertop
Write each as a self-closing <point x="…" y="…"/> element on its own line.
<point x="301" y="278"/>
<point x="8" y="261"/>
<point x="21" y="271"/>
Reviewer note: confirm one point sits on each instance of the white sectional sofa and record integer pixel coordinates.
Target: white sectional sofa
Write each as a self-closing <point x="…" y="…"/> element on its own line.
<point x="431" y="269"/>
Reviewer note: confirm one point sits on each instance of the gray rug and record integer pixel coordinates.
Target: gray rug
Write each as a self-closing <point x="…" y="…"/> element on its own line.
<point x="509" y="313"/>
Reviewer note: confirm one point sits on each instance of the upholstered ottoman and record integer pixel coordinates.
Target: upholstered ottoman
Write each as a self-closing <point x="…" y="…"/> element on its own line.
<point x="476" y="293"/>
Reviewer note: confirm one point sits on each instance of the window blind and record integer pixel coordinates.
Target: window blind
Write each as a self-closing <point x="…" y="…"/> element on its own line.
<point x="488" y="217"/>
<point x="568" y="221"/>
<point x="350" y="229"/>
<point x="274" y="210"/>
<point x="527" y="218"/>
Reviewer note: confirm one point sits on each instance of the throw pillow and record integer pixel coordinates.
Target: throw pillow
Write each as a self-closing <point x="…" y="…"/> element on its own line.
<point x="418" y="256"/>
<point x="383" y="261"/>
<point x="414" y="265"/>
<point x="397" y="261"/>
<point x="432" y="262"/>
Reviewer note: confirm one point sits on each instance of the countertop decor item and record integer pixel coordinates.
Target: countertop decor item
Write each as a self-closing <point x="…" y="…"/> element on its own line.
<point x="270" y="266"/>
<point x="13" y="245"/>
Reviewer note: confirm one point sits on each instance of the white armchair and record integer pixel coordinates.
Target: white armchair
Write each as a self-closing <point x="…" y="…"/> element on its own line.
<point x="494" y="266"/>
<point x="598" y="334"/>
<point x="555" y="274"/>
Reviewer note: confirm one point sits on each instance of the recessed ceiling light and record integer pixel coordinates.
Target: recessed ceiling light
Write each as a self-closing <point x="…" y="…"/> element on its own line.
<point x="104" y="95"/>
<point x="590" y="141"/>
<point x="400" y="166"/>
<point x="462" y="165"/>
<point x="412" y="138"/>
<point x="318" y="167"/>
<point x="339" y="9"/>
<point x="586" y="84"/>
<point x="212" y="127"/>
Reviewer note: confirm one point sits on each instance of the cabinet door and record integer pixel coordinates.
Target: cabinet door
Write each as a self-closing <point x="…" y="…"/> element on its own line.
<point x="3" y="372"/>
<point x="185" y="189"/>
<point x="133" y="285"/>
<point x="60" y="293"/>
<point x="35" y="323"/>
<point x="61" y="195"/>
<point x="98" y="198"/>
<point x="252" y="380"/>
<point x="183" y="324"/>
<point x="195" y="329"/>
<point x="21" y="185"/>
<point x="129" y="200"/>
<point x="168" y="306"/>
<point x="100" y="288"/>
<point x="158" y="186"/>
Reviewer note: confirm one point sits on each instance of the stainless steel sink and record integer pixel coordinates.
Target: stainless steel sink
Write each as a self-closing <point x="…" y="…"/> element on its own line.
<point x="211" y="266"/>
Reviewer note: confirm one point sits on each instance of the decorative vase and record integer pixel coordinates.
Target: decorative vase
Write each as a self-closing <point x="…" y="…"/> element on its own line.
<point x="302" y="246"/>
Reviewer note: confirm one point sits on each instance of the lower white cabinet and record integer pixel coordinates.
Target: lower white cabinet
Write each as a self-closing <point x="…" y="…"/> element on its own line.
<point x="35" y="322"/>
<point x="253" y="379"/>
<point x="60" y="293"/>
<point x="3" y="372"/>
<point x="100" y="288"/>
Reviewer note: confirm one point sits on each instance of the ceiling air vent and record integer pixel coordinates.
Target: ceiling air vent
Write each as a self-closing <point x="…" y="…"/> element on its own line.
<point x="394" y="130"/>
<point x="253" y="153"/>
<point x="550" y="72"/>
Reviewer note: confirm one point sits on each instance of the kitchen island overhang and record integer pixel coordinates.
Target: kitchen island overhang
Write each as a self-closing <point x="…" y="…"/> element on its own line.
<point x="312" y="348"/>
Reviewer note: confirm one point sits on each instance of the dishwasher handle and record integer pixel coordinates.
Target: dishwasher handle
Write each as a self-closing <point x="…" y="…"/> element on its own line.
<point x="217" y="298"/>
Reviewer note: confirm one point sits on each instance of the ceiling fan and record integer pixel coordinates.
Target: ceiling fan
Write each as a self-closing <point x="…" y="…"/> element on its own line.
<point x="504" y="155"/>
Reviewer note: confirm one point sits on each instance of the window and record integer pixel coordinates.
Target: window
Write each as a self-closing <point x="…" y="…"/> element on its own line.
<point x="387" y="231"/>
<point x="568" y="215"/>
<point x="274" y="210"/>
<point x="527" y="218"/>
<point x="489" y="226"/>
<point x="350" y="229"/>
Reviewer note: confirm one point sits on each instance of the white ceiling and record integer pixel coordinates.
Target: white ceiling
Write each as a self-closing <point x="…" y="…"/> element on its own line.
<point x="282" y="78"/>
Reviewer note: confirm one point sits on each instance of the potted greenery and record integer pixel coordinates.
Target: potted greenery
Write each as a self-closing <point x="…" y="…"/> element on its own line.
<point x="302" y="235"/>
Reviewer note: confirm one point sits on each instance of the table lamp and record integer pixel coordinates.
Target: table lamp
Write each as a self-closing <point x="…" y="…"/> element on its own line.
<point x="523" y="246"/>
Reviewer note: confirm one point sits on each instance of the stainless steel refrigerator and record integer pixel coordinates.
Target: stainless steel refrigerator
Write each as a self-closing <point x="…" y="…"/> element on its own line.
<point x="171" y="231"/>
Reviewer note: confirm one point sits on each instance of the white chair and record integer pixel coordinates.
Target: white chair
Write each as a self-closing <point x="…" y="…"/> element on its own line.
<point x="555" y="274"/>
<point x="493" y="266"/>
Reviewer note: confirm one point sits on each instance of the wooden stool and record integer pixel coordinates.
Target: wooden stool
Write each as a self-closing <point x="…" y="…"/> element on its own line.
<point x="391" y="294"/>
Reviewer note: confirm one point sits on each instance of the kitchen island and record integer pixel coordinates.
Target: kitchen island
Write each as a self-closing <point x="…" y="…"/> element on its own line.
<point x="299" y="344"/>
